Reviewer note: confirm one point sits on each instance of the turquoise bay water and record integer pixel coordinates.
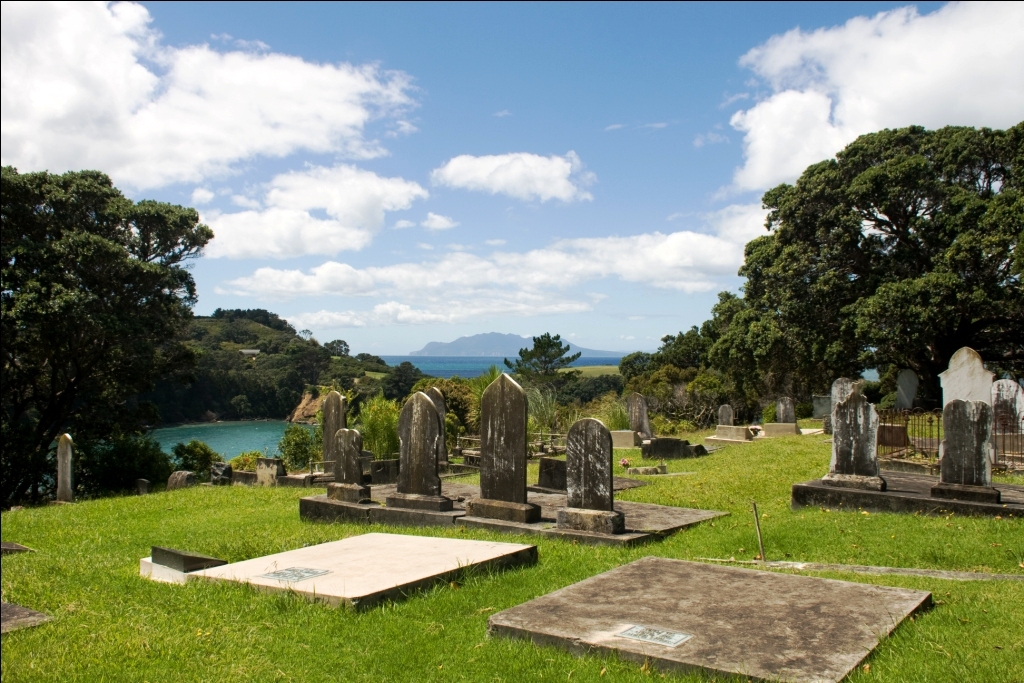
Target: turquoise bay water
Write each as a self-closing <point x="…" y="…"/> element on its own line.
<point x="227" y="438"/>
<point x="471" y="366"/>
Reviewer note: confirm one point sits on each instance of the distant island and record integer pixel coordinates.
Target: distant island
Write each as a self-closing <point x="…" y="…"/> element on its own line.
<point x="499" y="346"/>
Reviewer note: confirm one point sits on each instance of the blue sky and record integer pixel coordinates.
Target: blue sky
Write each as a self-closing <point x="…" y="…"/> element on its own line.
<point x="397" y="174"/>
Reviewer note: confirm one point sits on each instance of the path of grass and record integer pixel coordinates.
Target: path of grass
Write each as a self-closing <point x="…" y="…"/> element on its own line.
<point x="112" y="625"/>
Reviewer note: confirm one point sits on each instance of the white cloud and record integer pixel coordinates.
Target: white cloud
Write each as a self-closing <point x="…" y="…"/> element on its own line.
<point x="89" y="85"/>
<point x="898" y="68"/>
<point x="659" y="124"/>
<point x="520" y="175"/>
<point x="615" y="126"/>
<point x="711" y="138"/>
<point x="424" y="245"/>
<point x="438" y="222"/>
<point x="494" y="243"/>
<point x="201" y="195"/>
<point x="404" y="224"/>
<point x="245" y="202"/>
<point x="502" y="114"/>
<point x="353" y="199"/>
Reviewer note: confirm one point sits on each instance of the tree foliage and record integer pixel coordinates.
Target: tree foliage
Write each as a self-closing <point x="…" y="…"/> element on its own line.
<point x="899" y="251"/>
<point x="545" y="360"/>
<point x="195" y="456"/>
<point x="94" y="295"/>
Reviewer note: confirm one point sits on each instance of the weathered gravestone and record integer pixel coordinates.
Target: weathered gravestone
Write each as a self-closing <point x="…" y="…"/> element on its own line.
<point x="334" y="419"/>
<point x="442" y="409"/>
<point x="181" y="479"/>
<point x="785" y="413"/>
<point x="854" y="445"/>
<point x="1007" y="406"/>
<point x="725" y="416"/>
<point x="268" y="470"/>
<point x="419" y="486"/>
<point x="965" y="468"/>
<point x="221" y="474"/>
<point x="841" y="390"/>
<point x="906" y="389"/>
<point x="822" y="406"/>
<point x="65" y="484"/>
<point x="966" y="378"/>
<point x="142" y="486"/>
<point x="638" y="420"/>
<point x="348" y="468"/>
<point x="590" y="499"/>
<point x="503" y="411"/>
<point x="552" y="474"/>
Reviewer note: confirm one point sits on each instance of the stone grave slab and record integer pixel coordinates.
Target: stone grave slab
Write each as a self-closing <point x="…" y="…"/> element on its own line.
<point x="680" y="616"/>
<point x="773" y="429"/>
<point x="670" y="448"/>
<point x="726" y="435"/>
<point x="361" y="571"/>
<point x="7" y="548"/>
<point x="906" y="492"/>
<point x="14" y="617"/>
<point x="624" y="438"/>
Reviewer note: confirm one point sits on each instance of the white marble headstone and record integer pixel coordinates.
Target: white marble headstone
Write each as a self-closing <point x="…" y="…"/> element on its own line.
<point x="966" y="378"/>
<point x="1007" y="405"/>
<point x="906" y="389"/>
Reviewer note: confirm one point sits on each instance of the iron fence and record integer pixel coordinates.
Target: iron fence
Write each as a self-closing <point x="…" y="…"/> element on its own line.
<point x="916" y="435"/>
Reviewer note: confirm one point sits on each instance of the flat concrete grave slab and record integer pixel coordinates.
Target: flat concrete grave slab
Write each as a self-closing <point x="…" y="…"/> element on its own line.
<point x="361" y="571"/>
<point x="14" y="617"/>
<point x="7" y="548"/>
<point x="682" y="616"/>
<point x="905" y="492"/>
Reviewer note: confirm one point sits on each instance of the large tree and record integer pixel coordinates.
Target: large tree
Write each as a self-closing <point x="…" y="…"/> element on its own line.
<point x="94" y="294"/>
<point x="548" y="361"/>
<point x="899" y="251"/>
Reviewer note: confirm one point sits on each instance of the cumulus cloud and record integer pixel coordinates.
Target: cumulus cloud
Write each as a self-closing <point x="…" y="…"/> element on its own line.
<point x="282" y="225"/>
<point x="898" y="68"/>
<point x="438" y="222"/>
<point x="399" y="225"/>
<point x="711" y="138"/>
<point x="89" y="85"/>
<point x="201" y="195"/>
<point x="520" y="175"/>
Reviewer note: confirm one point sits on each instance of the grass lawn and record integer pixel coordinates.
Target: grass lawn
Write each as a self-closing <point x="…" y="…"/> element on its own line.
<point x="109" y="624"/>
<point x="595" y="370"/>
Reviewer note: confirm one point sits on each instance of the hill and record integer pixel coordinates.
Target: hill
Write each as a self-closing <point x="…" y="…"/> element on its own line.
<point x="498" y="345"/>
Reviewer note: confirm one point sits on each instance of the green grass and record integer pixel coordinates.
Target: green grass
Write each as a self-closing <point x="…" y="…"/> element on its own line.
<point x="595" y="370"/>
<point x="109" y="624"/>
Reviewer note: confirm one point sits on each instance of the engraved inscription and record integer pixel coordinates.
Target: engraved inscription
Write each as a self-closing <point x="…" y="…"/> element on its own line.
<point x="658" y="636"/>
<point x="294" y="574"/>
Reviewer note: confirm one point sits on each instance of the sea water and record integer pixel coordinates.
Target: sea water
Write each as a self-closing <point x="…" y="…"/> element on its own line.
<point x="472" y="366"/>
<point x="227" y="438"/>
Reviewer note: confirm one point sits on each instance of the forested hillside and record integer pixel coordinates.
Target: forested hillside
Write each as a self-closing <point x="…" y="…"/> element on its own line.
<point x="230" y="385"/>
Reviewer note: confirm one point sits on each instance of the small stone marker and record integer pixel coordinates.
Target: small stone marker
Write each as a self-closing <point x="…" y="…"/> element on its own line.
<point x="65" y="483"/>
<point x="966" y="378"/>
<point x="183" y="560"/>
<point x="679" y="616"/>
<point x="268" y="470"/>
<point x="638" y="420"/>
<point x="906" y="389"/>
<point x="784" y="411"/>
<point x="670" y="448"/>
<point x="221" y="474"/>
<point x="725" y="417"/>
<point x="854" y="445"/>
<point x="142" y="486"/>
<point x="419" y="486"/>
<point x="590" y="490"/>
<point x="334" y="409"/>
<point x="965" y="470"/>
<point x="552" y="474"/>
<point x="348" y="468"/>
<point x="14" y="617"/>
<point x="822" y="406"/>
<point x="625" y="438"/>
<point x="442" y="410"/>
<point x="503" y="414"/>
<point x="181" y="479"/>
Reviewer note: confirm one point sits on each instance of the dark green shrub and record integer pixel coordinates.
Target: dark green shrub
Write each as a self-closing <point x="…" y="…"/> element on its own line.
<point x="195" y="456"/>
<point x="768" y="414"/>
<point x="299" y="447"/>
<point x="803" y="410"/>
<point x="114" y="464"/>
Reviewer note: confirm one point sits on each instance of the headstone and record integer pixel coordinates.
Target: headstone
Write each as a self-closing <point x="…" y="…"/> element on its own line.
<point x="841" y="390"/>
<point x="503" y="411"/>
<point x="906" y="389"/>
<point x="854" y="445"/>
<point x="785" y="413"/>
<point x="334" y="409"/>
<point x="822" y="406"/>
<point x="589" y="486"/>
<point x="419" y="486"/>
<point x="142" y="486"/>
<point x="725" y="417"/>
<point x="638" y="420"/>
<point x="268" y="470"/>
<point x="348" y="468"/>
<point x="966" y="378"/>
<point x="826" y="424"/>
<point x="182" y="479"/>
<point x="625" y="438"/>
<point x="65" y="484"/>
<point x="1007" y="406"/>
<point x="965" y="467"/>
<point x="552" y="474"/>
<point x="221" y="474"/>
<point x="442" y="410"/>
<point x="670" y="448"/>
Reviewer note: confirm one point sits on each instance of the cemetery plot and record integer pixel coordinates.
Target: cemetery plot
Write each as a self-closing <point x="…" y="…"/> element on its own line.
<point x="361" y="571"/>
<point x="14" y="617"/>
<point x="679" y="615"/>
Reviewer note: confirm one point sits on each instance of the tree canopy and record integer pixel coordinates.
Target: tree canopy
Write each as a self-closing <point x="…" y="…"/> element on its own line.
<point x="545" y="360"/>
<point x="899" y="251"/>
<point x="94" y="295"/>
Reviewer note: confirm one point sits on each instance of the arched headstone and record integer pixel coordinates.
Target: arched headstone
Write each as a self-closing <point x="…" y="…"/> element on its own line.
<point x="636" y="404"/>
<point x="725" y="416"/>
<point x="419" y="486"/>
<point x="442" y="410"/>
<point x="966" y="378"/>
<point x="334" y="419"/>
<point x="1007" y="406"/>
<point x="590" y="492"/>
<point x="854" y="461"/>
<point x="906" y="389"/>
<point x="965" y="465"/>
<point x="65" y="483"/>
<point x="785" y="412"/>
<point x="348" y="470"/>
